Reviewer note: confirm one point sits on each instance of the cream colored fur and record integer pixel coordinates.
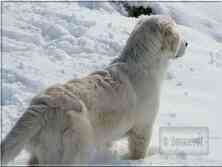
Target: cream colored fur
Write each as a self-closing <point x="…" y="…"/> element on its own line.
<point x="65" y="123"/>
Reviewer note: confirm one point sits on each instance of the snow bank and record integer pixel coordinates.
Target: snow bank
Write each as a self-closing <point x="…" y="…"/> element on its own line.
<point x="48" y="43"/>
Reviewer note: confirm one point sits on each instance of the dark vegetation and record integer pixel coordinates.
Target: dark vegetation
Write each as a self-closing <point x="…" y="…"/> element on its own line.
<point x="136" y="11"/>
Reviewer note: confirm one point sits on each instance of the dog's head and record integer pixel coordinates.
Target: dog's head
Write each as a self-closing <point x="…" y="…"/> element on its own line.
<point x="173" y="44"/>
<point x="160" y="32"/>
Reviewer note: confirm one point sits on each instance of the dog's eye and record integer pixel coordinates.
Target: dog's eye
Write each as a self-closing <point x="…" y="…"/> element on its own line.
<point x="169" y="29"/>
<point x="166" y="33"/>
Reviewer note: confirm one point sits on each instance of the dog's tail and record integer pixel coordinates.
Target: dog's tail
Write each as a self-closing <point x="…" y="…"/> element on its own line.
<point x="25" y="128"/>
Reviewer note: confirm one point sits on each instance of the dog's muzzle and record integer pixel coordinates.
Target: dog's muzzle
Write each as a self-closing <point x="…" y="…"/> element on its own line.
<point x="181" y="51"/>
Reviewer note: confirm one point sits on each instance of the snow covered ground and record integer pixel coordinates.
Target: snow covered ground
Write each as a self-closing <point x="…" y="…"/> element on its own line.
<point x="48" y="43"/>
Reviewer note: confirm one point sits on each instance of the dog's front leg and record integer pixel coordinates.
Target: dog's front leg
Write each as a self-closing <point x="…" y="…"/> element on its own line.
<point x="139" y="140"/>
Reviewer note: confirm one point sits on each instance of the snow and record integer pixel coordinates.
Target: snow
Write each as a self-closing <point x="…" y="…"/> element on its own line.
<point x="48" y="43"/>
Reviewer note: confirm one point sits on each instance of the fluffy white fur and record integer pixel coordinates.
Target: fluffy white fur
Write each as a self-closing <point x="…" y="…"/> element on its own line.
<point x="65" y="122"/>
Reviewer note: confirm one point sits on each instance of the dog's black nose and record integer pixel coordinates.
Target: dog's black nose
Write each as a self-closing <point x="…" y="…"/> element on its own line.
<point x="186" y="44"/>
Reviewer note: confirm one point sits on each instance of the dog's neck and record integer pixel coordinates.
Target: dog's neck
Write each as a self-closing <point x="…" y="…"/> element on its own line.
<point x="145" y="69"/>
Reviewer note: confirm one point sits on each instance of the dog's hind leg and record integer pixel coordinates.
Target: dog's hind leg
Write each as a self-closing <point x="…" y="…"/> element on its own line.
<point x="77" y="138"/>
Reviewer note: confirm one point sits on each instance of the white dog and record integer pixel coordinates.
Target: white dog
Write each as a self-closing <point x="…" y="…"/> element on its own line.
<point x="65" y="122"/>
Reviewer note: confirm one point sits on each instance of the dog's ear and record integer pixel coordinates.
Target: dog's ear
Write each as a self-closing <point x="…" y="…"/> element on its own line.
<point x="170" y="38"/>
